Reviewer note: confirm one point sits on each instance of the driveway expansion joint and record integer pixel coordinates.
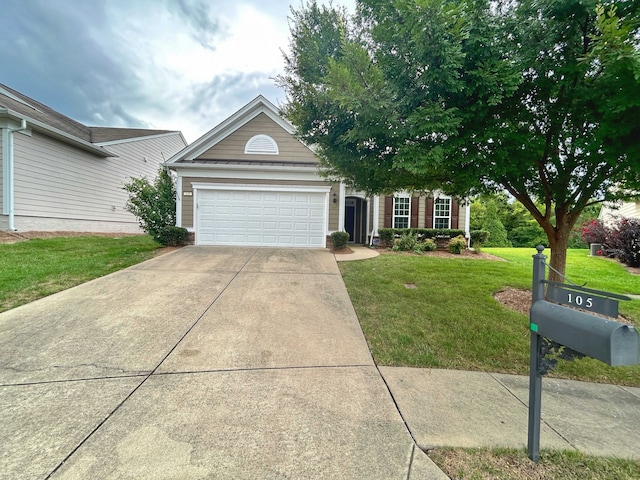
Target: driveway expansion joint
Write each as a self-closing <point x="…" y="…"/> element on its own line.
<point x="259" y="369"/>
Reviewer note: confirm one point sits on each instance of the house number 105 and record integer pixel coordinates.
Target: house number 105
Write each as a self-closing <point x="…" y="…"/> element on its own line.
<point x="580" y="301"/>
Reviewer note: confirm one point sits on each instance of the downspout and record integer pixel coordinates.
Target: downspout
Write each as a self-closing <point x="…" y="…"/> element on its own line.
<point x="8" y="204"/>
<point x="376" y="218"/>
<point x="467" y="222"/>
<point x="341" y="200"/>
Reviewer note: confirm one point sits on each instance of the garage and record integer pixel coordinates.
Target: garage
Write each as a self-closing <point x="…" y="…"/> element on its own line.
<point x="258" y="215"/>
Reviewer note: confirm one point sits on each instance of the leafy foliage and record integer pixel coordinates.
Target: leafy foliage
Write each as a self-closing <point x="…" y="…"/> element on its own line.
<point x="623" y="239"/>
<point x="493" y="225"/>
<point x="620" y="240"/>
<point x="172" y="236"/>
<point x="427" y="245"/>
<point x="339" y="240"/>
<point x="154" y="205"/>
<point x="457" y="245"/>
<point x="422" y="233"/>
<point x="594" y="231"/>
<point x="535" y="97"/>
<point x="478" y="237"/>
<point x="406" y="242"/>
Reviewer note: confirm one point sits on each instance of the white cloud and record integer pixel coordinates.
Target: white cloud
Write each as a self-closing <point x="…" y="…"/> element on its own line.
<point x="166" y="64"/>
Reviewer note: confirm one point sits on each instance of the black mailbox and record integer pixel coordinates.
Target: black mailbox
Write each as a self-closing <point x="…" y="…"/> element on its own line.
<point x="612" y="342"/>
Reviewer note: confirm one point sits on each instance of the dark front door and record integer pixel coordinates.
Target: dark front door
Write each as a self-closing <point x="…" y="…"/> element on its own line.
<point x="355" y="214"/>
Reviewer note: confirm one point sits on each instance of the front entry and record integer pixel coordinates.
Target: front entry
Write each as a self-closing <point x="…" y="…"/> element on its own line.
<point x="355" y="219"/>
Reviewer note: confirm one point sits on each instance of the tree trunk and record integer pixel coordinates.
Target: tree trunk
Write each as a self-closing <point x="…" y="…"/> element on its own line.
<point x="558" y="258"/>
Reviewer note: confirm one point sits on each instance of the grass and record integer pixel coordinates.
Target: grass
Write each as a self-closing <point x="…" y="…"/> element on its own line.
<point x="36" y="268"/>
<point x="451" y="320"/>
<point x="507" y="464"/>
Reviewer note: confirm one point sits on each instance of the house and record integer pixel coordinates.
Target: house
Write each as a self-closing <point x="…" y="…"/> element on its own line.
<point x="612" y="211"/>
<point x="58" y="174"/>
<point x="250" y="181"/>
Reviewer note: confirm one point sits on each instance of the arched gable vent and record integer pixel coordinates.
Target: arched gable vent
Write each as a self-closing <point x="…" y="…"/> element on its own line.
<point x="261" y="145"/>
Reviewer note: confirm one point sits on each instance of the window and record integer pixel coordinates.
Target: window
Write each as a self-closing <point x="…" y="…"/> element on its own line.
<point x="401" y="212"/>
<point x="441" y="213"/>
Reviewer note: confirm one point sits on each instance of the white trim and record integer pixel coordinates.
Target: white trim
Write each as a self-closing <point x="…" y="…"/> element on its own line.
<point x="298" y="174"/>
<point x="341" y="207"/>
<point x="376" y="218"/>
<point x="179" y="201"/>
<point x="441" y="197"/>
<point x="467" y="219"/>
<point x="262" y="187"/>
<point x="393" y="210"/>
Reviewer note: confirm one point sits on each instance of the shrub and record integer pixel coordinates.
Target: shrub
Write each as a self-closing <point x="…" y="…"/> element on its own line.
<point x="406" y="242"/>
<point x="427" y="246"/>
<point x="339" y="240"/>
<point x="594" y="231"/>
<point x="386" y="237"/>
<point x="624" y="240"/>
<point x="456" y="245"/>
<point x="478" y="237"/>
<point x="153" y="204"/>
<point x="171" y="236"/>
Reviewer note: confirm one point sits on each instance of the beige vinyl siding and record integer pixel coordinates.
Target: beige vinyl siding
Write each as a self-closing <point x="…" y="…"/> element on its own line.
<point x="462" y="216"/>
<point x="55" y="180"/>
<point x="232" y="147"/>
<point x="187" y="201"/>
<point x="334" y="208"/>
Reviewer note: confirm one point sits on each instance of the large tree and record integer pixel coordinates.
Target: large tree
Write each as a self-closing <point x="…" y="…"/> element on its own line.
<point x="538" y="97"/>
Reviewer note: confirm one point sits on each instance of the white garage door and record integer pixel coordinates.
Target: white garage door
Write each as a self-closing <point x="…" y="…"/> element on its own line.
<point x="260" y="218"/>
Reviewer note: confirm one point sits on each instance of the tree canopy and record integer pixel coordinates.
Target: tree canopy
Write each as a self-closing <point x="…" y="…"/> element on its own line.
<point x="538" y="97"/>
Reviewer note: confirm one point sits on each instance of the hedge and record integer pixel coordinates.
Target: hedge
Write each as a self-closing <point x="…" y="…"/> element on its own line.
<point x="388" y="235"/>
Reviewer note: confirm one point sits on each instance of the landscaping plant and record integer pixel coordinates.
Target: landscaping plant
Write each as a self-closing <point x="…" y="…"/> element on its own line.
<point x="339" y="240"/>
<point x="458" y="244"/>
<point x="154" y="205"/>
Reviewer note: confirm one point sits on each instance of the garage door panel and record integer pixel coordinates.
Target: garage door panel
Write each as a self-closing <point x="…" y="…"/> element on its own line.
<point x="261" y="218"/>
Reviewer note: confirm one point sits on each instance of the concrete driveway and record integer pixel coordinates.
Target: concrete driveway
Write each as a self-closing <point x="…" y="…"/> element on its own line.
<point x="203" y="363"/>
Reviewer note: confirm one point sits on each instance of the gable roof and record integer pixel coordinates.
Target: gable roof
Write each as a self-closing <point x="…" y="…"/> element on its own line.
<point x="218" y="133"/>
<point x="18" y="106"/>
<point x="102" y="135"/>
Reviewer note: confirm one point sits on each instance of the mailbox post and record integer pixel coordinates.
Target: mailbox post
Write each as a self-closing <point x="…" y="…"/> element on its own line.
<point x="535" y="357"/>
<point x="581" y="321"/>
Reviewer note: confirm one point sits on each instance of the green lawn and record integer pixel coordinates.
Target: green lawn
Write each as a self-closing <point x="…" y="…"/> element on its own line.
<point x="508" y="464"/>
<point x="451" y="320"/>
<point x="36" y="268"/>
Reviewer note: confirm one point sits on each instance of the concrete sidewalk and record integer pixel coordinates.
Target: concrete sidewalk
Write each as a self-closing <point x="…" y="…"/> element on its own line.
<point x="475" y="409"/>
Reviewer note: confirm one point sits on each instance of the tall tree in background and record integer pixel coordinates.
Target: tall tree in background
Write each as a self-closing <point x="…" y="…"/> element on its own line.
<point x="538" y="97"/>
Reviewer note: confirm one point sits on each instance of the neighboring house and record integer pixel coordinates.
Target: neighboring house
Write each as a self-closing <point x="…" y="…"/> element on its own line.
<point x="58" y="174"/>
<point x="250" y="181"/>
<point x="612" y="211"/>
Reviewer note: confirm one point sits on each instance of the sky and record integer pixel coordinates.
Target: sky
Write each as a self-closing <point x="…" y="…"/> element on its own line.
<point x="161" y="64"/>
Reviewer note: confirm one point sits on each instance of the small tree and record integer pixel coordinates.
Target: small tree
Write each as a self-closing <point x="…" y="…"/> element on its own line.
<point x="153" y="204"/>
<point x="493" y="225"/>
